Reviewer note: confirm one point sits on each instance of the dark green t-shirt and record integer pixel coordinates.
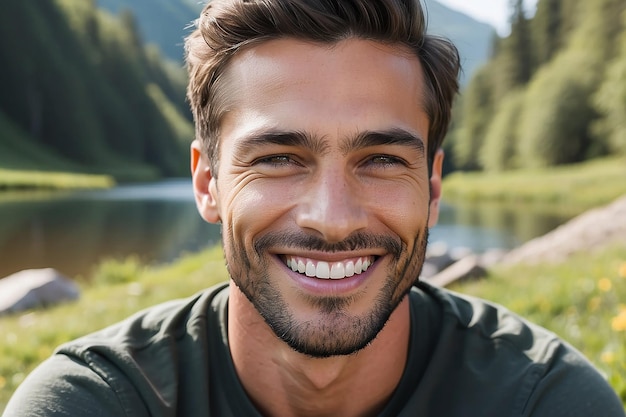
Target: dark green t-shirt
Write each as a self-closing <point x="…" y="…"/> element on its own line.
<point x="467" y="358"/>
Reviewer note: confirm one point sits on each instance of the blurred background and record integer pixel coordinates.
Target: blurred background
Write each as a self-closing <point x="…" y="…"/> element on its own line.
<point x="96" y="89"/>
<point x="94" y="171"/>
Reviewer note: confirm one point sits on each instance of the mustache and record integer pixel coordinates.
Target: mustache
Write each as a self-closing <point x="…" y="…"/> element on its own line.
<point x="356" y="241"/>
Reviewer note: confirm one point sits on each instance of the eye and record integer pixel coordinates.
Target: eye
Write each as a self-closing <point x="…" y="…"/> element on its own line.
<point x="276" y="160"/>
<point x="386" y="161"/>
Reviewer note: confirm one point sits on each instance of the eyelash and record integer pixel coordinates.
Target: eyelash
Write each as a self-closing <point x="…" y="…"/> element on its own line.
<point x="276" y="160"/>
<point x="282" y="160"/>
<point x="386" y="160"/>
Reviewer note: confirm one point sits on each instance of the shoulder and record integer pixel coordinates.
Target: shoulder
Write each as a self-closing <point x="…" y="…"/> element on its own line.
<point x="174" y="319"/>
<point x="497" y="356"/>
<point x="130" y="368"/>
<point x="488" y="323"/>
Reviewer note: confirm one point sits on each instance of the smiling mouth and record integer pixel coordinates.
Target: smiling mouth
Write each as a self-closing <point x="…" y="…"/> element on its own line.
<point x="329" y="270"/>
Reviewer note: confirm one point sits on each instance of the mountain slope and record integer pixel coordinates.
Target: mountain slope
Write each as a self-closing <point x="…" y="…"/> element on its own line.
<point x="80" y="87"/>
<point x="165" y="23"/>
<point x="473" y="38"/>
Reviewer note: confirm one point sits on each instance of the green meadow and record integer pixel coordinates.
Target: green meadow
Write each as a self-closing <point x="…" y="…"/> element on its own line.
<point x="29" y="180"/>
<point x="570" y="188"/>
<point x="581" y="300"/>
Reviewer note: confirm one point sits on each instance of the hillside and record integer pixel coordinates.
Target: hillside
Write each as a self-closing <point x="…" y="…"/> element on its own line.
<point x="165" y="23"/>
<point x="473" y="38"/>
<point x="80" y="92"/>
<point x="553" y="93"/>
<point x="161" y="22"/>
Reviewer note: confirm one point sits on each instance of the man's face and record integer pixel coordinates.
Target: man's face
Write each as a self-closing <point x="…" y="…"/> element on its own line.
<point x="323" y="187"/>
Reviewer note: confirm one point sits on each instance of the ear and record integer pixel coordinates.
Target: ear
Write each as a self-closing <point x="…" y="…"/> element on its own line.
<point x="435" y="188"/>
<point x="204" y="187"/>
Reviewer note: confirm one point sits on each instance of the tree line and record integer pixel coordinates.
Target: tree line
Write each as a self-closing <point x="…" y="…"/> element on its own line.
<point x="553" y="91"/>
<point x="80" y="91"/>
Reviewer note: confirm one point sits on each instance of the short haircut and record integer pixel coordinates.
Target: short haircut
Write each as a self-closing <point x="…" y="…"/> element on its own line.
<point x="227" y="26"/>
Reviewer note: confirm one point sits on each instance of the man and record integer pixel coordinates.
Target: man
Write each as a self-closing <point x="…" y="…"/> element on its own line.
<point x="319" y="124"/>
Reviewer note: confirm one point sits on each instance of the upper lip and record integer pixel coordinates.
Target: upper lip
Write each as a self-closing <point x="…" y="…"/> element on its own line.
<point x="331" y="256"/>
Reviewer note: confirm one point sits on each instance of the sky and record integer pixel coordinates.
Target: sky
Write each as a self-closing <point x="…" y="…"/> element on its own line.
<point x="493" y="12"/>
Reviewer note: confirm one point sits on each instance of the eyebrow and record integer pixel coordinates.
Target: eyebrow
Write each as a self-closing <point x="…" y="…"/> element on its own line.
<point x="286" y="138"/>
<point x="317" y="144"/>
<point x="395" y="136"/>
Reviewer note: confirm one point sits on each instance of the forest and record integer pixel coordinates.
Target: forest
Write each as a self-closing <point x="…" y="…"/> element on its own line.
<point x="552" y="93"/>
<point x="81" y="92"/>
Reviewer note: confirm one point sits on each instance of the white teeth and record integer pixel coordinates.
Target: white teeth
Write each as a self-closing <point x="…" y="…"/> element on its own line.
<point x="350" y="269"/>
<point x="326" y="270"/>
<point x="310" y="269"/>
<point x="323" y="270"/>
<point x="337" y="271"/>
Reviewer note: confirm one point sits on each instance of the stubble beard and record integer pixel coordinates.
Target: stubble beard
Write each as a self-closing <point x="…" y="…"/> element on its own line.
<point x="338" y="332"/>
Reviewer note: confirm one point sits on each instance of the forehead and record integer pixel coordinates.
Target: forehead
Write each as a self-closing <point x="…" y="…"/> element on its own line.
<point x="352" y="84"/>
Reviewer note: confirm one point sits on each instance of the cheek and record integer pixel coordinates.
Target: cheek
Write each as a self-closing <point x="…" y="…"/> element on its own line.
<point x="254" y="208"/>
<point x="403" y="208"/>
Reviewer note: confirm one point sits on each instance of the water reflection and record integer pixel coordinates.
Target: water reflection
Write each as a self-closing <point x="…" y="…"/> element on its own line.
<point x="72" y="232"/>
<point x="483" y="226"/>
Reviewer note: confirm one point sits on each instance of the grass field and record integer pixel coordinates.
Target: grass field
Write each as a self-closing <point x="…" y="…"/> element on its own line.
<point x="583" y="301"/>
<point x="16" y="180"/>
<point x="573" y="188"/>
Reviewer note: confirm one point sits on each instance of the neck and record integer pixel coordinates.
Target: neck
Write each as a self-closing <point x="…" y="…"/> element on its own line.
<point x="283" y="382"/>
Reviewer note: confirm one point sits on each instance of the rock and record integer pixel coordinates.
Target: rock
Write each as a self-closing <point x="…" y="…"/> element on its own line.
<point x="592" y="230"/>
<point x="35" y="288"/>
<point x="428" y="270"/>
<point x="492" y="257"/>
<point x="438" y="257"/>
<point x="467" y="268"/>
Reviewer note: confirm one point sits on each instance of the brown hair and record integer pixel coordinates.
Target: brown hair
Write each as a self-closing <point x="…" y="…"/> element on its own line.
<point x="225" y="26"/>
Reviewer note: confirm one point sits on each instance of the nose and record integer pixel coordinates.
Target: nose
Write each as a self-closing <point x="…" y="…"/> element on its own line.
<point x="332" y="206"/>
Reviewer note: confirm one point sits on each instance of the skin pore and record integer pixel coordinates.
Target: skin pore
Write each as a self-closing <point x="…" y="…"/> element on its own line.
<point x="325" y="199"/>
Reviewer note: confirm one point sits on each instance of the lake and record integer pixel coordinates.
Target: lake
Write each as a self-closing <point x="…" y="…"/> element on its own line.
<point x="74" y="231"/>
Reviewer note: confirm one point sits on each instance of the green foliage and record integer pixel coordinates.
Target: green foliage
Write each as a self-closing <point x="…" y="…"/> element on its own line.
<point x="498" y="150"/>
<point x="162" y="22"/>
<point x="610" y="101"/>
<point x="75" y="87"/>
<point x="570" y="112"/>
<point x="477" y="112"/>
<point x="553" y="129"/>
<point x="515" y="53"/>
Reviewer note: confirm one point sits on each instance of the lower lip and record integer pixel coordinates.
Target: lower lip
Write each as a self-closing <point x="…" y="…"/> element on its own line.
<point x="321" y="286"/>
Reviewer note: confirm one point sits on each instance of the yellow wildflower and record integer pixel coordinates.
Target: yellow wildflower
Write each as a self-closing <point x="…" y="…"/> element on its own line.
<point x="608" y="357"/>
<point x="605" y="285"/>
<point x="622" y="270"/>
<point x="618" y="323"/>
<point x="594" y="304"/>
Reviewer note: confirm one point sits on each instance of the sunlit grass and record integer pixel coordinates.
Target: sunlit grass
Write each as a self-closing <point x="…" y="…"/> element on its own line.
<point x="579" y="187"/>
<point x="119" y="289"/>
<point x="582" y="300"/>
<point x="17" y="179"/>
